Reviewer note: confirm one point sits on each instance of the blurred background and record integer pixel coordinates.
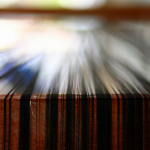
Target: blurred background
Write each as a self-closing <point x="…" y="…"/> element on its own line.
<point x="28" y="41"/>
<point x="70" y="4"/>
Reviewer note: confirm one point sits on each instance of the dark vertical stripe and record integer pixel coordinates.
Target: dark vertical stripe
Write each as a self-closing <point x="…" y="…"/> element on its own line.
<point x="145" y="122"/>
<point x="24" y="126"/>
<point x="47" y="123"/>
<point x="92" y="118"/>
<point x="131" y="122"/>
<point x="73" y="122"/>
<point x="101" y="121"/>
<point x="5" y="120"/>
<point x="118" y="120"/>
<point x="124" y="121"/>
<point x="78" y="117"/>
<point x="108" y="121"/>
<point x="139" y="116"/>
<point x="53" y="121"/>
<point x="37" y="118"/>
<point x="68" y="122"/>
<point x="84" y="122"/>
<point x="9" y="132"/>
<point x="24" y="122"/>
<point x="148" y="122"/>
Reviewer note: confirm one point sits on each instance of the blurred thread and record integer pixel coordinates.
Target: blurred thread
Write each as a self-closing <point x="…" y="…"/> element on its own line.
<point x="75" y="57"/>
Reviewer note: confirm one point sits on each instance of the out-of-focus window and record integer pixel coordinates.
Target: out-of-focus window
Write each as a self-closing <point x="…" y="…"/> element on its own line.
<point x="81" y="4"/>
<point x="71" y="4"/>
<point x="127" y="2"/>
<point x="51" y="4"/>
<point x="40" y="4"/>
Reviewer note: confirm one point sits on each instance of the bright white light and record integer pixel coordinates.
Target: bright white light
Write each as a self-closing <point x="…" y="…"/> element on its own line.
<point x="7" y="3"/>
<point x="79" y="4"/>
<point x="80" y="24"/>
<point x="11" y="32"/>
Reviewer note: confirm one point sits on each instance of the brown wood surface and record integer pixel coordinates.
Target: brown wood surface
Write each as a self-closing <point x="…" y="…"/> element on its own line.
<point x="117" y="13"/>
<point x="38" y="130"/>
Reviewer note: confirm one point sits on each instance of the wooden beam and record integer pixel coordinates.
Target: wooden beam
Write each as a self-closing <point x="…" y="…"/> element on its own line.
<point x="117" y="13"/>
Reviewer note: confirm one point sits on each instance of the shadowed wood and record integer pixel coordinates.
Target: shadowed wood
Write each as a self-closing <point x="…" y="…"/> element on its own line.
<point x="38" y="128"/>
<point x="109" y="12"/>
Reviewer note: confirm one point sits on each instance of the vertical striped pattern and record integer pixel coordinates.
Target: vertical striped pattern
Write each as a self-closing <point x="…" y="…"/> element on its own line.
<point x="78" y="122"/>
